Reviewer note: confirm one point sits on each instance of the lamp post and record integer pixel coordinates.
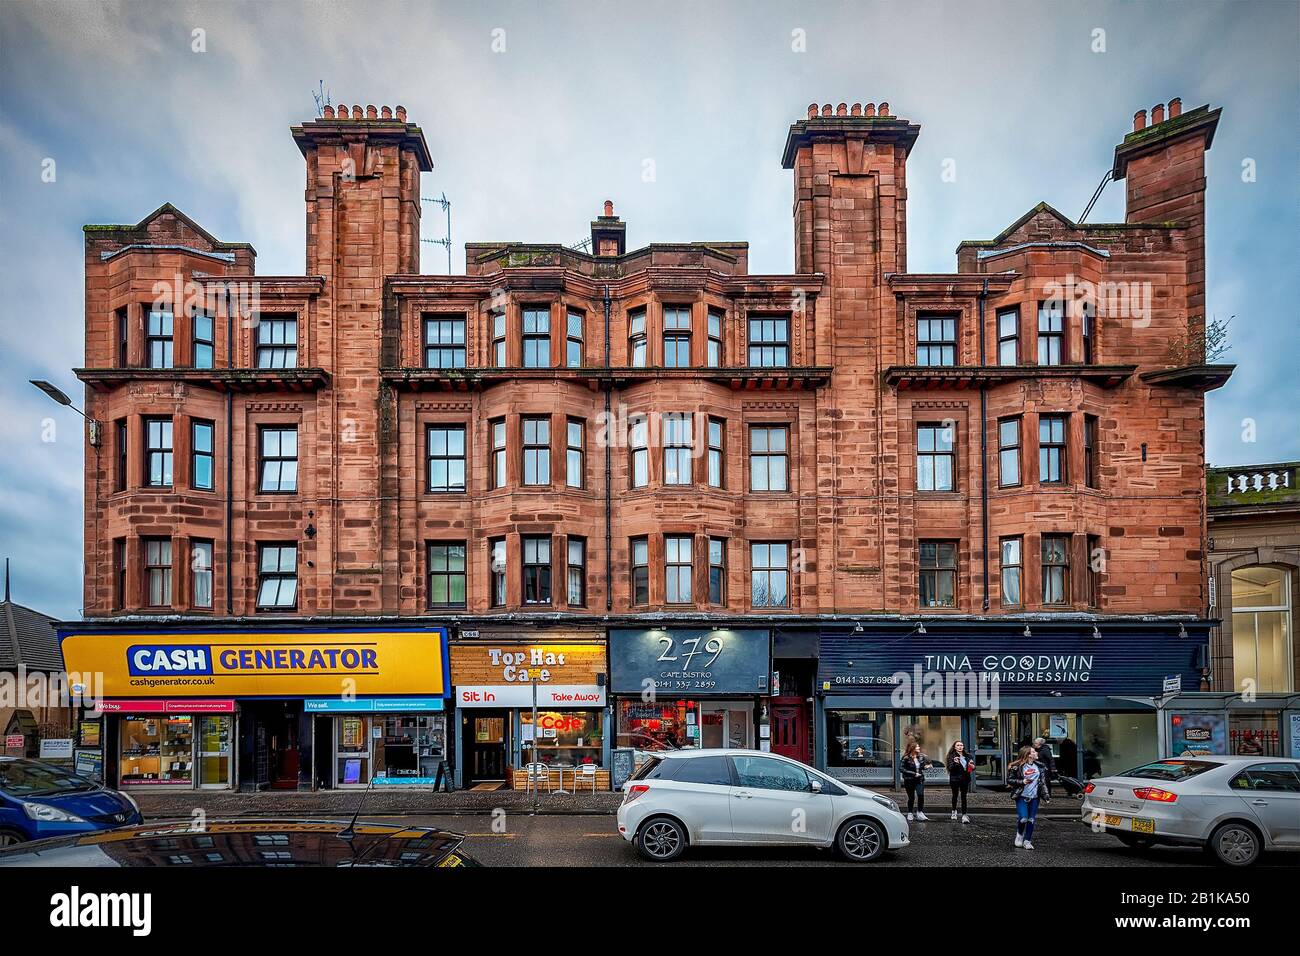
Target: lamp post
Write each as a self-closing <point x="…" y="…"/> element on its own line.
<point x="60" y="396"/>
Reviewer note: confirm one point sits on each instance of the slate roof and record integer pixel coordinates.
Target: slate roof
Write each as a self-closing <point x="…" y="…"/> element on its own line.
<point x="28" y="637"/>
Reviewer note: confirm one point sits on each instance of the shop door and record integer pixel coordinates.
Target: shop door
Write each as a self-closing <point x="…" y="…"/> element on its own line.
<point x="214" y="752"/>
<point x="989" y="765"/>
<point x="352" y="751"/>
<point x="282" y="750"/>
<point x="485" y="744"/>
<point x="789" y="729"/>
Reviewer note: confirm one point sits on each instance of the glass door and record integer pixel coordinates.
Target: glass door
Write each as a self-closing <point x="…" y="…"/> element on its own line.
<point x="352" y="751"/>
<point x="989" y="766"/>
<point x="214" y="752"/>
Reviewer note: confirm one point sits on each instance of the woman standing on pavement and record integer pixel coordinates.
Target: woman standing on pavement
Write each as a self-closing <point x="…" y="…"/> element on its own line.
<point x="913" y="767"/>
<point x="1025" y="778"/>
<point x="961" y="771"/>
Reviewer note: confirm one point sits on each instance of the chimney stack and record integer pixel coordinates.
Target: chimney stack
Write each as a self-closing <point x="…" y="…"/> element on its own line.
<point x="608" y="233"/>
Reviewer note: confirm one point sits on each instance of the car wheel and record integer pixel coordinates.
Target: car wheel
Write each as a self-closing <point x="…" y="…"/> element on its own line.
<point x="861" y="841"/>
<point x="10" y="838"/>
<point x="1135" y="842"/>
<point x="1235" y="844"/>
<point x="661" y="840"/>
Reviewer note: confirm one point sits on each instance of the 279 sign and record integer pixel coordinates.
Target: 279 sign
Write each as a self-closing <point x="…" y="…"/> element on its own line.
<point x="712" y="646"/>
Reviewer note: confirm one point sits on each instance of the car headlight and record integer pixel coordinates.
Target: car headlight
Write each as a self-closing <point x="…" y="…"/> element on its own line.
<point x="48" y="814"/>
<point x="885" y="802"/>
<point x="129" y="799"/>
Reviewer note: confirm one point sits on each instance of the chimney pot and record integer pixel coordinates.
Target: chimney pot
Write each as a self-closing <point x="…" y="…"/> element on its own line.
<point x="1175" y="107"/>
<point x="884" y="109"/>
<point x="609" y="207"/>
<point x="386" y="113"/>
<point x="1139" y="120"/>
<point x="856" y="110"/>
<point x="401" y="114"/>
<point x="357" y="112"/>
<point x="869" y="109"/>
<point x="842" y="110"/>
<point x="826" y="109"/>
<point x="1157" y="114"/>
<point x="328" y="111"/>
<point x="812" y="110"/>
<point x="371" y="112"/>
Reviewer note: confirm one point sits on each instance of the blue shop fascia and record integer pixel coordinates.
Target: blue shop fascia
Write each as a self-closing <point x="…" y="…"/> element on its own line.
<point x="1100" y="691"/>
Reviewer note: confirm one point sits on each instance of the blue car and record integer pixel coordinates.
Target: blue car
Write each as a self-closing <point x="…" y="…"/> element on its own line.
<point x="39" y="800"/>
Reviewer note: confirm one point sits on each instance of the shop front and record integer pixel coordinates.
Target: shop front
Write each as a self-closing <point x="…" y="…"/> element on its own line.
<point x="690" y="687"/>
<point x="1096" y="700"/>
<point x="267" y="709"/>
<point x="499" y="684"/>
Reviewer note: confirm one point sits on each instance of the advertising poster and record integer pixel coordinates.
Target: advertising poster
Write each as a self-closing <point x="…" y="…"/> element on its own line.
<point x="1197" y="734"/>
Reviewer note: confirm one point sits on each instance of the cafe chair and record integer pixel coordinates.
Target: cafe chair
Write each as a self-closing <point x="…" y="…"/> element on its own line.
<point x="585" y="772"/>
<point x="537" y="773"/>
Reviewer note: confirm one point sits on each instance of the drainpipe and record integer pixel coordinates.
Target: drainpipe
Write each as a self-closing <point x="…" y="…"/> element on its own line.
<point x="609" y="504"/>
<point x="984" y="450"/>
<point x="230" y="460"/>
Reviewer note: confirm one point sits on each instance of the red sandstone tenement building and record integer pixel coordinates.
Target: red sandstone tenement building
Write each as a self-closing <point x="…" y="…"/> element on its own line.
<point x="632" y="449"/>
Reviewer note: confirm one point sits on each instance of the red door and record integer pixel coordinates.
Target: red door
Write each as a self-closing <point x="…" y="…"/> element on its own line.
<point x="790" y="728"/>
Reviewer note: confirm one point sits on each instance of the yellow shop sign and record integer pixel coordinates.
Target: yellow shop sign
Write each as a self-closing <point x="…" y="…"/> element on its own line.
<point x="291" y="664"/>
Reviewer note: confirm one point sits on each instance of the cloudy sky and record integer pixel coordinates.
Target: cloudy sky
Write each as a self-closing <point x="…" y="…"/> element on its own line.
<point x="536" y="112"/>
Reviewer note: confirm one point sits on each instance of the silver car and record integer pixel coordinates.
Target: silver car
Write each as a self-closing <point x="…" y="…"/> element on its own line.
<point x="1234" y="807"/>
<point x="752" y="798"/>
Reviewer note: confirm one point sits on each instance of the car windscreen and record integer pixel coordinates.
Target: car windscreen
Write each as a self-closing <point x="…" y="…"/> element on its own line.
<point x="1171" y="770"/>
<point x="26" y="778"/>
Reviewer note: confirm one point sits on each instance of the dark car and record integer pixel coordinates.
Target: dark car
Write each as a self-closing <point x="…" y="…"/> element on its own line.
<point x="39" y="800"/>
<point x="184" y="844"/>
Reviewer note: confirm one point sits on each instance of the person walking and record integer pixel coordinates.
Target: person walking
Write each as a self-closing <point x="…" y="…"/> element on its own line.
<point x="961" y="772"/>
<point x="1025" y="778"/>
<point x="913" y="767"/>
<point x="1048" y="764"/>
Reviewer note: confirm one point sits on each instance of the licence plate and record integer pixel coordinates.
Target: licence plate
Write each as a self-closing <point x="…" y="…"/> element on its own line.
<point x="1114" y="821"/>
<point x="1143" y="825"/>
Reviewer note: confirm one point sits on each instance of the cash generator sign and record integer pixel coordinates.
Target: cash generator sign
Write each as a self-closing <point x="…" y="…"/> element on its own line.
<point x="265" y="665"/>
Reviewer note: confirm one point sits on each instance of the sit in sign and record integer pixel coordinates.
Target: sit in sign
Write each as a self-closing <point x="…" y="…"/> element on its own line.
<point x="539" y="662"/>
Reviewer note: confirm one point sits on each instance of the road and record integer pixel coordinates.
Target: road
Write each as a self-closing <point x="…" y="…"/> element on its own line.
<point x="582" y="840"/>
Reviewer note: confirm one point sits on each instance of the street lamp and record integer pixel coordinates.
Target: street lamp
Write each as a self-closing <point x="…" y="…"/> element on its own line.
<point x="60" y="396"/>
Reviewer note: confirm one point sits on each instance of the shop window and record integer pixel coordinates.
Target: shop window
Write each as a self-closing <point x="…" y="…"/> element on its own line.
<point x="639" y="450"/>
<point x="679" y="448"/>
<point x="640" y="569"/>
<point x="770" y="574"/>
<point x="447" y="574"/>
<point x="278" y="460"/>
<point x="1013" y="571"/>
<point x="499" y="339"/>
<point x="158" y="339"/>
<point x="938" y="574"/>
<point x="677" y="336"/>
<point x="277" y="341"/>
<point x="1113" y="743"/>
<point x="1009" y="337"/>
<point x="769" y="341"/>
<point x="935" y="733"/>
<point x="769" y="458"/>
<point x="573" y="340"/>
<point x="1262" y="642"/>
<point x="860" y="740"/>
<point x="575" y="452"/>
<point x="537" y="336"/>
<point x="203" y="340"/>
<point x="444" y="449"/>
<point x="577" y="572"/>
<point x="536" y="449"/>
<point x="718" y="571"/>
<point x="1051" y="333"/>
<point x="936" y="340"/>
<point x="201" y="455"/>
<point x="1008" y="452"/>
<point x="157" y="750"/>
<point x="352" y="750"/>
<point x="658" y="724"/>
<point x="715" y="338"/>
<point x="678" y="569"/>
<point x="498" y="453"/>
<point x="636" y="338"/>
<point x="717" y="453"/>
<point x="563" y="736"/>
<point x="537" y="569"/>
<point x="408" y="747"/>
<point x="444" y="341"/>
<point x="157" y="572"/>
<point x="1052" y="431"/>
<point x="1056" y="569"/>
<point x="936" y="461"/>
<point x="201" y="574"/>
<point x="277" y="577"/>
<point x="497" y="570"/>
<point x="158" y="452"/>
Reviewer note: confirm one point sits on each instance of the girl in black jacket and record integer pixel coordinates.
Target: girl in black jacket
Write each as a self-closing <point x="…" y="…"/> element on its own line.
<point x="913" y="767"/>
<point x="961" y="771"/>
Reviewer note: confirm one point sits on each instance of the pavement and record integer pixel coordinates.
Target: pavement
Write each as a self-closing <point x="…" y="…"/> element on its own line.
<point x="401" y="801"/>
